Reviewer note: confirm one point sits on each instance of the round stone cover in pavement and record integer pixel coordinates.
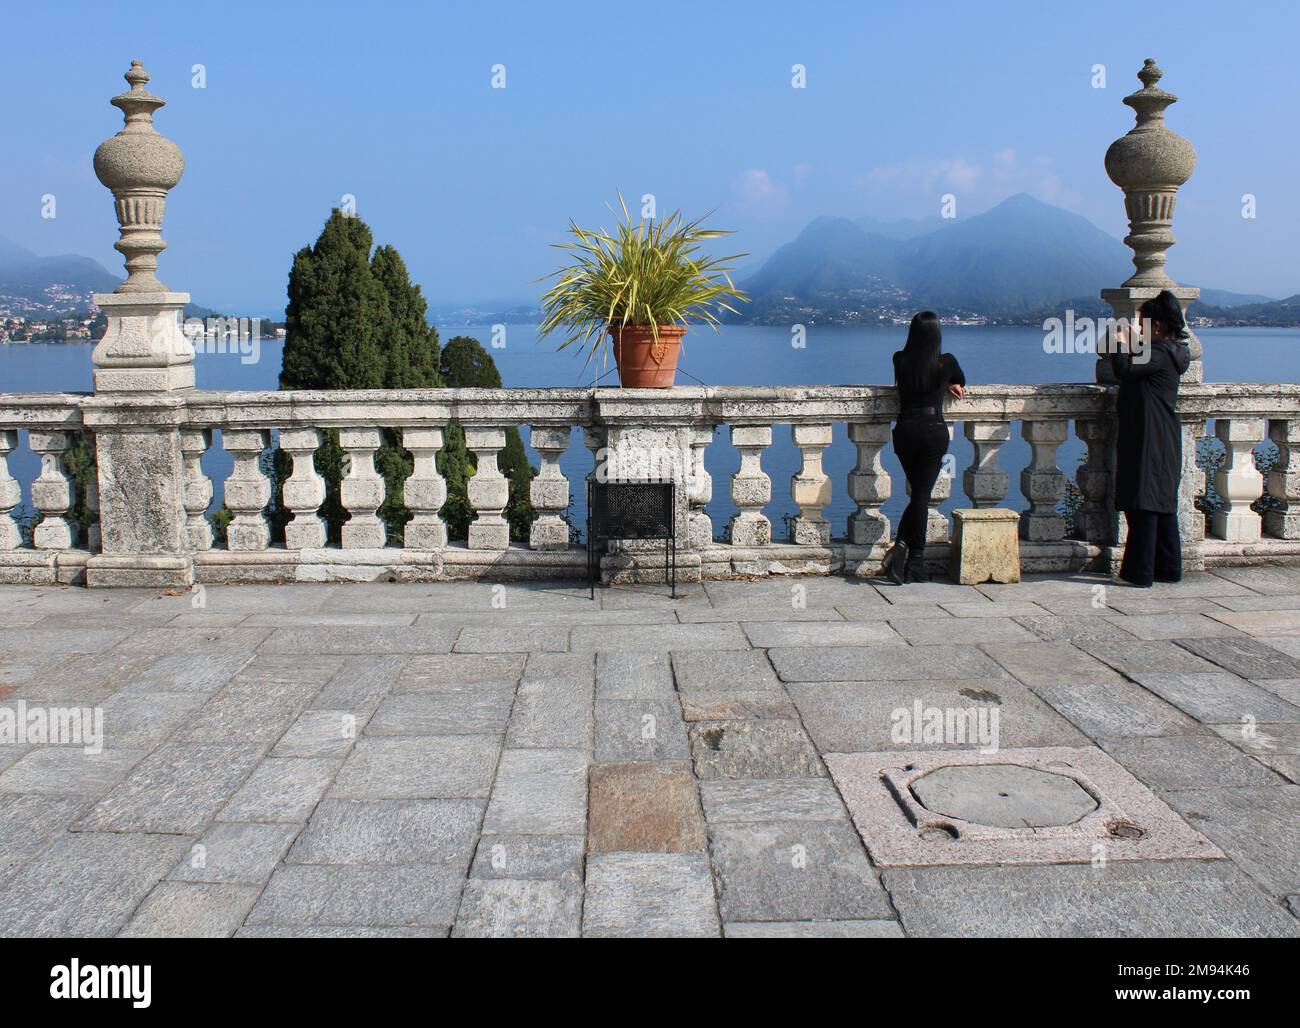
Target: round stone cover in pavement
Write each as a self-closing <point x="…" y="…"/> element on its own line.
<point x="1003" y="795"/>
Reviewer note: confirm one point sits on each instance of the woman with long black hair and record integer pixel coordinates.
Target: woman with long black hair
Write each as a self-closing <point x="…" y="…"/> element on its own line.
<point x="1149" y="441"/>
<point x="924" y="376"/>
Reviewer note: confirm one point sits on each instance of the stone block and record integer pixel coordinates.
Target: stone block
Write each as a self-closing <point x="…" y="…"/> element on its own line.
<point x="423" y="767"/>
<point x="406" y="895"/>
<point x="390" y="832"/>
<point x="753" y="749"/>
<point x="187" y="910"/>
<point x="985" y="546"/>
<point x="506" y="908"/>
<point x="539" y="792"/>
<point x="650" y="895"/>
<point x="812" y="930"/>
<point x="515" y="856"/>
<point x="771" y="799"/>
<point x="632" y="730"/>
<point x="235" y="853"/>
<point x="643" y="808"/>
<point x="461" y="712"/>
<point x="282" y="790"/>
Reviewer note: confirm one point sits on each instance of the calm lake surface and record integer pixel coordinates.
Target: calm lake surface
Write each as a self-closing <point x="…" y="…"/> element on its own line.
<point x="737" y="355"/>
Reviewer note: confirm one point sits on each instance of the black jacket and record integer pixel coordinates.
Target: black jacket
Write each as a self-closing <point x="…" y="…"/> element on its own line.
<point x="1149" y="440"/>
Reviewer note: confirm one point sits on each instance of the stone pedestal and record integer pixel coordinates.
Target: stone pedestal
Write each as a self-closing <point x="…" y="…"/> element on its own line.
<point x="985" y="545"/>
<point x="144" y="349"/>
<point x="1125" y="302"/>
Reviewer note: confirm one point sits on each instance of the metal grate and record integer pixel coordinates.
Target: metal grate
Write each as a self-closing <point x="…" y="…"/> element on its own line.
<point x="631" y="510"/>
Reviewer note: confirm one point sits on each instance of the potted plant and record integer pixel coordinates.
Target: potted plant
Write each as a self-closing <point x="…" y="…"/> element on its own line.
<point x="636" y="290"/>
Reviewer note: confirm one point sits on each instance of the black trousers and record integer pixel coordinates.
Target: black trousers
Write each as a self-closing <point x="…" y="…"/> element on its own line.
<point x="1154" y="551"/>
<point x="920" y="444"/>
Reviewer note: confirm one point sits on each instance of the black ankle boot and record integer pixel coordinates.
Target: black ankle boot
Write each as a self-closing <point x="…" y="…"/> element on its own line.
<point x="892" y="566"/>
<point x="914" y="571"/>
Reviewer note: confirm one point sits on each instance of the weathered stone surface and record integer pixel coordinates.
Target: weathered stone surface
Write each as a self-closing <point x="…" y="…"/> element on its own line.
<point x="547" y="638"/>
<point x="656" y="895"/>
<point x="658" y="638"/>
<point x="1050" y="663"/>
<point x="178" y="788"/>
<point x="270" y="931"/>
<point x="704" y="672"/>
<point x="644" y="808"/>
<point x="1172" y="626"/>
<point x="1216" y="698"/>
<point x="434" y="673"/>
<point x="812" y="930"/>
<point x="766" y="634"/>
<point x="68" y="771"/>
<point x="634" y="676"/>
<point x="85" y="884"/>
<point x="520" y="909"/>
<point x="186" y="910"/>
<point x="1188" y="762"/>
<point x="1248" y="658"/>
<point x="1141" y="656"/>
<point x="234" y="853"/>
<point x="408" y="895"/>
<point x="450" y="712"/>
<point x="737" y="705"/>
<point x="753" y="749"/>
<point x="552" y="711"/>
<point x="946" y="631"/>
<point x="241" y="717"/>
<point x="797" y="870"/>
<point x="539" y="792"/>
<point x="528" y="856"/>
<point x="426" y="767"/>
<point x="1258" y="827"/>
<point x="1197" y="899"/>
<point x="360" y="683"/>
<point x="320" y="733"/>
<point x="985" y="546"/>
<point x="987" y="608"/>
<point x="358" y="639"/>
<point x="390" y="832"/>
<point x="28" y="823"/>
<point x="1004" y="796"/>
<point x="630" y="730"/>
<point x="282" y="790"/>
<point x="771" y="799"/>
<point x="1067" y="628"/>
<point x="1114" y="709"/>
<point x="881" y="664"/>
<point x="204" y="672"/>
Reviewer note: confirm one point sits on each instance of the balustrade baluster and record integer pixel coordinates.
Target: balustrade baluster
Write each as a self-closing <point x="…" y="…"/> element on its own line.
<point x="362" y="490"/>
<point x="425" y="490"/>
<point x="94" y="538"/>
<point x="197" y="487"/>
<point x="1041" y="482"/>
<point x="869" y="484"/>
<point x="247" y="489"/>
<point x="810" y="487"/>
<point x="1238" y="482"/>
<point x="1191" y="520"/>
<point x="304" y="490"/>
<point x="52" y="491"/>
<point x="1095" y="519"/>
<point x="488" y="490"/>
<point x="1283" y="520"/>
<point x="549" y="490"/>
<point x="699" y="489"/>
<point x="985" y="482"/>
<point x="751" y="488"/>
<point x="11" y="493"/>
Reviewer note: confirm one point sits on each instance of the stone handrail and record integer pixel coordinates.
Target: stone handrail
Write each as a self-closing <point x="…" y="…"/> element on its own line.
<point x="173" y="540"/>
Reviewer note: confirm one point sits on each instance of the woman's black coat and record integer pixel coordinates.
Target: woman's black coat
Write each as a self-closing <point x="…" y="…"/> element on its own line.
<point x="1149" y="442"/>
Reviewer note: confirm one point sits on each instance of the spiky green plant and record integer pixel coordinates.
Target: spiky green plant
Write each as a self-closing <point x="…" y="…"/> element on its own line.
<point x="643" y="273"/>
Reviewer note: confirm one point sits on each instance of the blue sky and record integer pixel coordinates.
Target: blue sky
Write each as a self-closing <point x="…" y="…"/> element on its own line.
<point x="393" y="103"/>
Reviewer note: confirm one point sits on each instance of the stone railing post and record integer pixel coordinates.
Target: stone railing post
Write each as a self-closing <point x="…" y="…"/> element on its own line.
<point x="11" y="493"/>
<point x="248" y="490"/>
<point x="362" y="490"/>
<point x="488" y="490"/>
<point x="699" y="486"/>
<point x="303" y="491"/>
<point x="549" y="491"/>
<point x="810" y="488"/>
<point x="198" y="487"/>
<point x="1095" y="520"/>
<point x="869" y="484"/>
<point x="1283" y="519"/>
<point x="52" y="491"/>
<point x="425" y="490"/>
<point x="1238" y="482"/>
<point x="1149" y="163"/>
<point x="751" y="488"/>
<point x="984" y="480"/>
<point x="1042" y="483"/>
<point x="144" y="364"/>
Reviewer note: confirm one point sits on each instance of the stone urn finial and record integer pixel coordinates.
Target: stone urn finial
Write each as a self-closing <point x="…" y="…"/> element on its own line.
<point x="139" y="166"/>
<point x="1149" y="163"/>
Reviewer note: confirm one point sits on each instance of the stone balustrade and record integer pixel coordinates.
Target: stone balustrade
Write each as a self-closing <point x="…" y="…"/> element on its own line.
<point x="630" y="433"/>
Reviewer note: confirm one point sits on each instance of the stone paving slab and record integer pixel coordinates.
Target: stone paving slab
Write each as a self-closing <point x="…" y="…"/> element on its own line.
<point x="1205" y="899"/>
<point x="1188" y="762"/>
<point x="1258" y="827"/>
<point x="390" y="832"/>
<point x="1246" y="657"/>
<point x="30" y="822"/>
<point x="367" y="897"/>
<point x="187" y="910"/>
<point x="282" y="790"/>
<point x="1269" y="623"/>
<point x="812" y="930"/>
<point x="644" y="808"/>
<point x="418" y="767"/>
<point x="640" y="730"/>
<point x="1215" y="698"/>
<point x="68" y="771"/>
<point x="508" y="908"/>
<point x="234" y="853"/>
<point x="771" y="799"/>
<point x="881" y="663"/>
<point x="753" y="749"/>
<point x="652" y="895"/>
<point x="528" y="856"/>
<point x="460" y="671"/>
<point x="460" y="712"/>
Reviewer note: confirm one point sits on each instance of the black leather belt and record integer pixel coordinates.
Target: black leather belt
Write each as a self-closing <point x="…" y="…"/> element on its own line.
<point x="919" y="412"/>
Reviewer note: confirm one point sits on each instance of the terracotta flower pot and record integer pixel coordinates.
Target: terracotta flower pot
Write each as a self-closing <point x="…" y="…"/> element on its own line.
<point x="643" y="361"/>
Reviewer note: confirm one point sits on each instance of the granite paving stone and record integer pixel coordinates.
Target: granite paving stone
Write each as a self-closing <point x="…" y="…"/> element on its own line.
<point x="658" y="638"/>
<point x="554" y="703"/>
<point x="451" y="712"/>
<point x="28" y="823"/>
<point x="516" y="856"/>
<point x="282" y="790"/>
<point x="539" y="792"/>
<point x="1216" y="698"/>
<point x="321" y="733"/>
<point x="771" y="799"/>
<point x="143" y="720"/>
<point x="86" y="884"/>
<point x="629" y="730"/>
<point x="700" y="671"/>
<point x="244" y="717"/>
<point x="1114" y="709"/>
<point x="277" y="931"/>
<point x="634" y="676"/>
<point x="653" y="895"/>
<point x="1172" y="626"/>
<point x="235" y="853"/>
<point x="1273" y="622"/>
<point x="881" y="663"/>
<point x="390" y="832"/>
<point x="1188" y="762"/>
<point x="1050" y="662"/>
<point x="1246" y="657"/>
<point x="753" y="749"/>
<point x="418" y="767"/>
<point x="359" y="639"/>
<point x="936" y="632"/>
<point x="177" y="788"/>
<point x="1274" y="581"/>
<point x="644" y="808"/>
<point x="766" y="634"/>
<point x="1064" y="628"/>
<point x="794" y="870"/>
<point x="1139" y="656"/>
<point x="737" y="705"/>
<point x="360" y="683"/>
<point x="1258" y="827"/>
<point x="202" y="672"/>
<point x="69" y="771"/>
<point x="341" y="895"/>
<point x="188" y="910"/>
<point x="812" y="930"/>
<point x="543" y="638"/>
<point x="85" y="678"/>
<point x="434" y="673"/>
<point x="508" y="908"/>
<point x="993" y="609"/>
<point x="1147" y="899"/>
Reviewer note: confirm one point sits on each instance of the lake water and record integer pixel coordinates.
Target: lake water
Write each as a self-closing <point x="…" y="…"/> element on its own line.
<point x="737" y="355"/>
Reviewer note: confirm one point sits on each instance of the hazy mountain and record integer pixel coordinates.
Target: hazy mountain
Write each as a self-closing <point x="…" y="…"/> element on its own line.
<point x="900" y="228"/>
<point x="1276" y="313"/>
<point x="1224" y="298"/>
<point x="49" y="285"/>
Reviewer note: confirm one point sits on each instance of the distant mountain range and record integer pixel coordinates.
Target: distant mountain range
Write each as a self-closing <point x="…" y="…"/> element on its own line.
<point x="1009" y="264"/>
<point x="49" y="286"/>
